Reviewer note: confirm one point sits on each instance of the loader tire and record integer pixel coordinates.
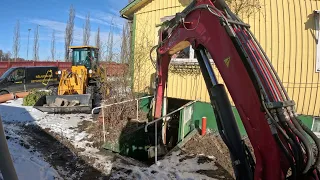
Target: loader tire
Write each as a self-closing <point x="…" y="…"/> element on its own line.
<point x="90" y="90"/>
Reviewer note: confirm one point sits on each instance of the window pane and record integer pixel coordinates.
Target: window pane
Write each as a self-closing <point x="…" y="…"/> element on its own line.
<point x="82" y="57"/>
<point x="316" y="125"/>
<point x="76" y="57"/>
<point x="185" y="53"/>
<point x="17" y="75"/>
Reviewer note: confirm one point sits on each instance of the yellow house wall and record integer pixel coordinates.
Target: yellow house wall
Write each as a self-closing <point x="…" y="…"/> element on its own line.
<point x="285" y="30"/>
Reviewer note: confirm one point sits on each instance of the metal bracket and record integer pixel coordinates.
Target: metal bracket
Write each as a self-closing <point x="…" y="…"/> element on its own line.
<point x="273" y="105"/>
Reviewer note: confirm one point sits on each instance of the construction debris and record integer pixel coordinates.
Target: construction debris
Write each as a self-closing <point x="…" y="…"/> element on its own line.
<point x="61" y="102"/>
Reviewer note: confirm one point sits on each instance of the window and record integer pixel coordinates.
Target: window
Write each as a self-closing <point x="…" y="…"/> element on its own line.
<point x="6" y="74"/>
<point x="188" y="55"/>
<point x="17" y="75"/>
<point x="316" y="126"/>
<point x="317" y="22"/>
<point x="84" y="57"/>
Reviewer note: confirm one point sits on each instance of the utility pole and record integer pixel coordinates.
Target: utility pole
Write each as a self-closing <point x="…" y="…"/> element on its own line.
<point x="28" y="43"/>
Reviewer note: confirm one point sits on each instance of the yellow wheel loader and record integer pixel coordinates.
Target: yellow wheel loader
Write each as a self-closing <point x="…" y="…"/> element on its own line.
<point x="79" y="88"/>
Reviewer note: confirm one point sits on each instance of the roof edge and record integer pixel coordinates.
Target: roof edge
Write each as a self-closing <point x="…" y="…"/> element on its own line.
<point x="78" y="47"/>
<point x="128" y="10"/>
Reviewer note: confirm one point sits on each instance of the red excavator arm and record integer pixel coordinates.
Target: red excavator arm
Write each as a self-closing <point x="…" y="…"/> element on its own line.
<point x="281" y="142"/>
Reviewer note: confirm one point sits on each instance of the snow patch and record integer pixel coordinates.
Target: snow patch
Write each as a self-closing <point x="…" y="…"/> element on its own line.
<point x="65" y="125"/>
<point x="175" y="166"/>
<point x="28" y="163"/>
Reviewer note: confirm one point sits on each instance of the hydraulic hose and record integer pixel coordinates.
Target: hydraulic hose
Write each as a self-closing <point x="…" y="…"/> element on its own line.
<point x="286" y="153"/>
<point x="312" y="135"/>
<point x="269" y="62"/>
<point x="150" y="55"/>
<point x="297" y="152"/>
<point x="279" y="142"/>
<point x="299" y="126"/>
<point x="301" y="137"/>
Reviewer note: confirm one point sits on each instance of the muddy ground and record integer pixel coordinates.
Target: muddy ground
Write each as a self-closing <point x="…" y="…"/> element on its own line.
<point x="62" y="155"/>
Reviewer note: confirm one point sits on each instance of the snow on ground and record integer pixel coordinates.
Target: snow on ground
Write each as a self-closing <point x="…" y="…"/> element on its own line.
<point x="28" y="163"/>
<point x="63" y="124"/>
<point x="176" y="166"/>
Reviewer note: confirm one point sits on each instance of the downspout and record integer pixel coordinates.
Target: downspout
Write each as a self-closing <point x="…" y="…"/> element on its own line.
<point x="125" y="17"/>
<point x="6" y="166"/>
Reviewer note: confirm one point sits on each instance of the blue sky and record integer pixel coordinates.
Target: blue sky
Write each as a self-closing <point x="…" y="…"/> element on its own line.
<point x="53" y="15"/>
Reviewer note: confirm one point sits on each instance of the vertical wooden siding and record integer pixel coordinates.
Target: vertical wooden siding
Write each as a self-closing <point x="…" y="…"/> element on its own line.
<point x="285" y="30"/>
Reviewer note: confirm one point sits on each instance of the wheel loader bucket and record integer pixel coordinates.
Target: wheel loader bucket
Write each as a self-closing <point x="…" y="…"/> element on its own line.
<point x="76" y="104"/>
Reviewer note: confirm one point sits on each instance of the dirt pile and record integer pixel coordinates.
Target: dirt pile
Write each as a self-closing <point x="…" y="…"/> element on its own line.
<point x="212" y="145"/>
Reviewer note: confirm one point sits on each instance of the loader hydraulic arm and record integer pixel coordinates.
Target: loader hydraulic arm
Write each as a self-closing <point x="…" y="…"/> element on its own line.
<point x="280" y="140"/>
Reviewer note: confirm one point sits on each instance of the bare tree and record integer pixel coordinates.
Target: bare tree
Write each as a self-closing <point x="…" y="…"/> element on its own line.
<point x="98" y="42"/>
<point x="53" y="46"/>
<point x="36" y="44"/>
<point x="110" y="45"/>
<point x="244" y="7"/>
<point x="125" y="46"/>
<point x="86" y="31"/>
<point x="1" y="55"/>
<point x="7" y="56"/>
<point x="16" y="41"/>
<point x="69" y="33"/>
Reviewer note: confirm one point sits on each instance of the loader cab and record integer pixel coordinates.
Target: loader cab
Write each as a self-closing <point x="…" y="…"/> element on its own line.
<point x="85" y="56"/>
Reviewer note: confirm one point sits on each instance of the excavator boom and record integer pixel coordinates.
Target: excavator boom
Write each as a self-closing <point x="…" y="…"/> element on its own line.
<point x="281" y="142"/>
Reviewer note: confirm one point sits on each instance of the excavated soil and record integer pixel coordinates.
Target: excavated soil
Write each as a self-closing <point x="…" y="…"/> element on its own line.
<point x="212" y="145"/>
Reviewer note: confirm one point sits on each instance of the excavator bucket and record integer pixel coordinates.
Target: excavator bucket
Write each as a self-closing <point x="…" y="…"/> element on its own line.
<point x="65" y="104"/>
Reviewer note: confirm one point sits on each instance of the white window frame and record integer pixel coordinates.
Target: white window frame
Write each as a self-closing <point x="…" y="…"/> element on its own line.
<point x="190" y="60"/>
<point x="316" y="133"/>
<point x="317" y="32"/>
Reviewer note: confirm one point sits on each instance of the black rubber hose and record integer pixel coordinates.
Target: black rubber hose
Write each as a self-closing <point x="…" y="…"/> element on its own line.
<point x="298" y="126"/>
<point x="269" y="62"/>
<point x="150" y="55"/>
<point x="298" y="155"/>
<point x="312" y="135"/>
<point x="304" y="140"/>
<point x="279" y="128"/>
<point x="286" y="153"/>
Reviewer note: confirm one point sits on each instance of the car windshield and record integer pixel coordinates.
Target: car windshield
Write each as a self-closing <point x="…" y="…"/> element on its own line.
<point x="7" y="73"/>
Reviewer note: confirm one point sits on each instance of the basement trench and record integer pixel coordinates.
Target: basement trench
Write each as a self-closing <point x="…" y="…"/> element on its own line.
<point x="56" y="137"/>
<point x="135" y="143"/>
<point x="130" y="139"/>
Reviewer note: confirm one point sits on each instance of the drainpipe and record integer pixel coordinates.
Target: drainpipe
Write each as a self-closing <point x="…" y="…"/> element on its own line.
<point x="6" y="166"/>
